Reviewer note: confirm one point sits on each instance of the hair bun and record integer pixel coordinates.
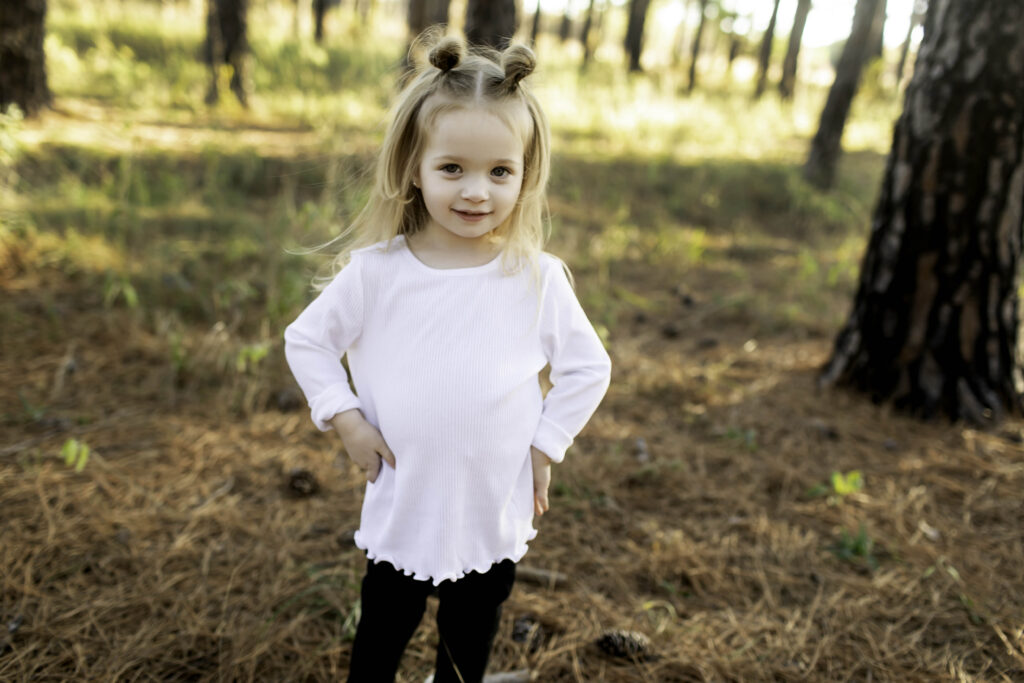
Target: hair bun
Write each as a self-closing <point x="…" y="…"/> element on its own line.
<point x="518" y="62"/>
<point x="447" y="54"/>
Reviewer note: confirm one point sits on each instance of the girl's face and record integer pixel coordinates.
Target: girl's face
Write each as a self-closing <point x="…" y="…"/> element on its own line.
<point x="470" y="176"/>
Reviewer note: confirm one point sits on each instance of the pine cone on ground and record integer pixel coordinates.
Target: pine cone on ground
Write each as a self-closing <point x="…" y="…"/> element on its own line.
<point x="302" y="483"/>
<point x="624" y="644"/>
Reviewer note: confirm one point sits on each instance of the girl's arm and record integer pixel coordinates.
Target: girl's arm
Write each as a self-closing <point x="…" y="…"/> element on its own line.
<point x="319" y="337"/>
<point x="580" y="367"/>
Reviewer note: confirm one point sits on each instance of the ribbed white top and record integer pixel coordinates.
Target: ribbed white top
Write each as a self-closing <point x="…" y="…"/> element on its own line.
<point x="445" y="363"/>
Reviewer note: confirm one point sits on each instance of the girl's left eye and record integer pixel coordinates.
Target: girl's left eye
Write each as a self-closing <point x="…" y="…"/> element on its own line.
<point x="501" y="172"/>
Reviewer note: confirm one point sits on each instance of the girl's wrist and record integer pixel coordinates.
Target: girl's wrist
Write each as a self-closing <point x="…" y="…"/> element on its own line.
<point x="346" y="421"/>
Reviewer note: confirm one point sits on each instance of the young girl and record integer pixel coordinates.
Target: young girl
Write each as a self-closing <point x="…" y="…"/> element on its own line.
<point x="447" y="313"/>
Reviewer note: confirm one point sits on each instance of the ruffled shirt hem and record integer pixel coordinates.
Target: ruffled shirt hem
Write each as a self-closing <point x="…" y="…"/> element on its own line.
<point x="418" y="575"/>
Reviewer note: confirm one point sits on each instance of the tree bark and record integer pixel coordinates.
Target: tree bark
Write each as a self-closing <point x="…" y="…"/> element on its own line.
<point x="935" y="325"/>
<point x="764" y="60"/>
<point x="635" y="32"/>
<point x="820" y="168"/>
<point x="490" y="23"/>
<point x="22" y="58"/>
<point x="787" y="84"/>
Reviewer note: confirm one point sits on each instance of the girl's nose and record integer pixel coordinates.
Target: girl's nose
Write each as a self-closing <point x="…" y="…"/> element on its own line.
<point x="475" y="190"/>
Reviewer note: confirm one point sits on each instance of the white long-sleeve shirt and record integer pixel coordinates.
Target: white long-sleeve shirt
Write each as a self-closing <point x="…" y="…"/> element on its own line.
<point x="445" y="364"/>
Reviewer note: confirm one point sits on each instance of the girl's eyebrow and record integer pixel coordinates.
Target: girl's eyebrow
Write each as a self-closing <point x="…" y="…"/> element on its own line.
<point x="451" y="157"/>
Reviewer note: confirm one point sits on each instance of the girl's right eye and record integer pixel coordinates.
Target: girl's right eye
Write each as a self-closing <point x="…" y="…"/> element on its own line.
<point x="450" y="168"/>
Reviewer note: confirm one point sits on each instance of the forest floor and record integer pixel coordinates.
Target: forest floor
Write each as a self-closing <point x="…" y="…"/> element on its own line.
<point x="748" y="525"/>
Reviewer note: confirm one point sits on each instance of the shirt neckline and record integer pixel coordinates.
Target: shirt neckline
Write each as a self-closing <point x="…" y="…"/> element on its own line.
<point x="493" y="264"/>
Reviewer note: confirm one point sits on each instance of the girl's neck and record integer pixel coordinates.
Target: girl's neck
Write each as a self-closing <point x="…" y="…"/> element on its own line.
<point x="446" y="251"/>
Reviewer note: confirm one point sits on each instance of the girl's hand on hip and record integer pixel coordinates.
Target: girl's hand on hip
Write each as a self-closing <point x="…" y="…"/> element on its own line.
<point x="541" y="480"/>
<point x="363" y="442"/>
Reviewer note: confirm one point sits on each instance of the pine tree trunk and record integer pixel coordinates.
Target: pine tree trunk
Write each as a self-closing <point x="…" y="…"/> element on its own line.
<point x="695" y="48"/>
<point x="935" y="326"/>
<point x="22" y="58"/>
<point x="490" y="23"/>
<point x="765" y="57"/>
<point x="635" y="32"/>
<point x="820" y="168"/>
<point x="787" y="84"/>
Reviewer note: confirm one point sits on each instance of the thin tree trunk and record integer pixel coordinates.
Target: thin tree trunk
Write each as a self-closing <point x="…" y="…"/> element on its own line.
<point x="821" y="163"/>
<point x="588" y="23"/>
<point x="535" y="28"/>
<point x="787" y="84"/>
<point x="23" y="79"/>
<point x="695" y="48"/>
<point x="764" y="60"/>
<point x="877" y="47"/>
<point x="227" y="42"/>
<point x="915" y="21"/>
<point x="635" y="32"/>
<point x="490" y="23"/>
<point x="565" y="28"/>
<point x="935" y="326"/>
<point x="319" y="9"/>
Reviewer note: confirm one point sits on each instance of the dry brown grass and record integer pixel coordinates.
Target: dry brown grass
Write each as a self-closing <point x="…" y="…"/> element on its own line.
<point x="177" y="553"/>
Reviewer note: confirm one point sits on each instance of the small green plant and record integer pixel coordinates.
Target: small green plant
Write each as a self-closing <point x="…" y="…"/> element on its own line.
<point x="75" y="454"/>
<point x="838" y="487"/>
<point x="856" y="548"/>
<point x="119" y="286"/>
<point x="250" y="356"/>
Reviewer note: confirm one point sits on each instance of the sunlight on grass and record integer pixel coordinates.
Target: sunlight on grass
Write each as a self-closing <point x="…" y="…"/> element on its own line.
<point x="194" y="203"/>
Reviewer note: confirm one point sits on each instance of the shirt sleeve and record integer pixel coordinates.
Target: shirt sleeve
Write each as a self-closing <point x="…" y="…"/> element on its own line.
<point x="319" y="337"/>
<point x="580" y="367"/>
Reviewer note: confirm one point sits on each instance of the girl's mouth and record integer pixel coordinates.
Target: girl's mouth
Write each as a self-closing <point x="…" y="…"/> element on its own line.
<point x="471" y="216"/>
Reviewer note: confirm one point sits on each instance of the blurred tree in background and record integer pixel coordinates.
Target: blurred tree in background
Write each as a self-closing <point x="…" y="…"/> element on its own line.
<point x="788" y="82"/>
<point x="490" y="22"/>
<point x="766" y="52"/>
<point x="820" y="168"/>
<point x="695" y="46"/>
<point x="227" y="42"/>
<point x="634" y="42"/>
<point x="22" y="59"/>
<point x="935" y="325"/>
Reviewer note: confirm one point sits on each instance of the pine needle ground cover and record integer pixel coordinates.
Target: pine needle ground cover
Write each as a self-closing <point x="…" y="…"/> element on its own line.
<point x="167" y="511"/>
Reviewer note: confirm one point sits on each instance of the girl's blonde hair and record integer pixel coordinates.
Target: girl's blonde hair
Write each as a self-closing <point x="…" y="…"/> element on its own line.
<point x="455" y="78"/>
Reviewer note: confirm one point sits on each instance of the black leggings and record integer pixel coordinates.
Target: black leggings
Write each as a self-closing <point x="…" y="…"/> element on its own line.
<point x="467" y="621"/>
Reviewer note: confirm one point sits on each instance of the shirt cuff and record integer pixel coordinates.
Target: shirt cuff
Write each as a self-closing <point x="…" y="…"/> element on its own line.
<point x="551" y="440"/>
<point x="335" y="399"/>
